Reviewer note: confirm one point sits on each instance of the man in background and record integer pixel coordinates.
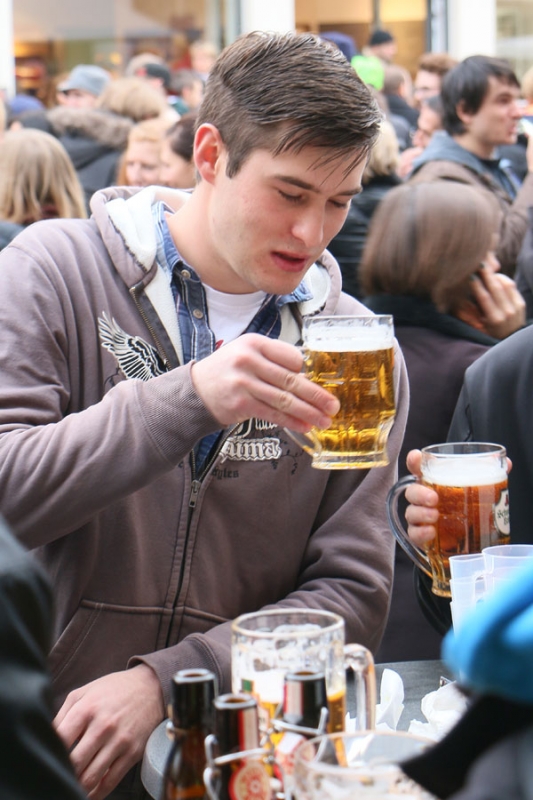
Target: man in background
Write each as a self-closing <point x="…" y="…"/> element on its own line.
<point x="83" y="86"/>
<point x="481" y="111"/>
<point x="432" y="67"/>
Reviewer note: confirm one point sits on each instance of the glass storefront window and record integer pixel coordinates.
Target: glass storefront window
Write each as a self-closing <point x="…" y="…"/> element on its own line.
<point x="515" y="33"/>
<point x="52" y="36"/>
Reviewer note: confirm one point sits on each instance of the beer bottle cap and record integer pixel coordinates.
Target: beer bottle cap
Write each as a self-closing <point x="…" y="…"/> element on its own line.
<point x="193" y="692"/>
<point x="304" y="696"/>
<point x="236" y="723"/>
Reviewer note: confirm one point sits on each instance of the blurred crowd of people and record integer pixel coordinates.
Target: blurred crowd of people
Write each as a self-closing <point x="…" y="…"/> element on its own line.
<point x="133" y="130"/>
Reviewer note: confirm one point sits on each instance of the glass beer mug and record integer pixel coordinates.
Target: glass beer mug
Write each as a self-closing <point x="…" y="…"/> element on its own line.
<point x="353" y="358"/>
<point x="358" y="765"/>
<point x="471" y="481"/>
<point x="266" y="645"/>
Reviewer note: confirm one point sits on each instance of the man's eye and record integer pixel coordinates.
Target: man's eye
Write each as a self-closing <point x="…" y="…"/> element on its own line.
<point x="292" y="198"/>
<point x="339" y="204"/>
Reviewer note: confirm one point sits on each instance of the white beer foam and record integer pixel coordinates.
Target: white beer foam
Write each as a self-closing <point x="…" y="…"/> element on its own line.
<point x="457" y="471"/>
<point x="349" y="344"/>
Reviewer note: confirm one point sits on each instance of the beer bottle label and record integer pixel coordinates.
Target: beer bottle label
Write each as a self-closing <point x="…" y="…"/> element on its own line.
<point x="250" y="781"/>
<point x="501" y="514"/>
<point x="285" y="751"/>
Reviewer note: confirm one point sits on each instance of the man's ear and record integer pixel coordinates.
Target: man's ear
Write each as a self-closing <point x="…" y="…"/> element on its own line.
<point x="465" y="116"/>
<point x="210" y="154"/>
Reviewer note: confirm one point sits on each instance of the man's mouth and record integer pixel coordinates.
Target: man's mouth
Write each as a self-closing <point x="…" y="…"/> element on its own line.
<point x="290" y="262"/>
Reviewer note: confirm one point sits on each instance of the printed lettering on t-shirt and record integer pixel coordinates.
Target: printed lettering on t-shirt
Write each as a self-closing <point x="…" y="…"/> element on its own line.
<point x="243" y="445"/>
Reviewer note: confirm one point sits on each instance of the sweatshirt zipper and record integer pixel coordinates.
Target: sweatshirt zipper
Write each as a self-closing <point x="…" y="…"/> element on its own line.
<point x="196" y="485"/>
<point x="135" y="291"/>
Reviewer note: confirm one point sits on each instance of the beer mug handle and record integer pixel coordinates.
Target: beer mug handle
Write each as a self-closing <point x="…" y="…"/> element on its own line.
<point x="306" y="441"/>
<point x="361" y="662"/>
<point x="416" y="555"/>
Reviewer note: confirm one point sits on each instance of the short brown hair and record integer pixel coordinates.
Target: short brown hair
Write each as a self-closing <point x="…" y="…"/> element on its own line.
<point x="284" y="92"/>
<point x="426" y="240"/>
<point x="437" y="63"/>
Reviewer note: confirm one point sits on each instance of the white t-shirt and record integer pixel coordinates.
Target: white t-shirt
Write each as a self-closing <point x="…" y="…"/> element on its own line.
<point x="230" y="314"/>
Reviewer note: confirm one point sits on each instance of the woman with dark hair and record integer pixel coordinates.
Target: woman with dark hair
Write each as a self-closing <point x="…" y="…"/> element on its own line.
<point x="429" y="261"/>
<point x="177" y="165"/>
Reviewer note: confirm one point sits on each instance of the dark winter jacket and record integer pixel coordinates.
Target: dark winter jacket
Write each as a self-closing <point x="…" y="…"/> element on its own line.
<point x="348" y="245"/>
<point x="95" y="140"/>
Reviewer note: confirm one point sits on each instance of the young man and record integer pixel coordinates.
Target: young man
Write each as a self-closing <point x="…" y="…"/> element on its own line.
<point x="142" y="436"/>
<point x="481" y="111"/>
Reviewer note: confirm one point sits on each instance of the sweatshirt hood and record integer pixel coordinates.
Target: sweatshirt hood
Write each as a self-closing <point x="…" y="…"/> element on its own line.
<point x="443" y="147"/>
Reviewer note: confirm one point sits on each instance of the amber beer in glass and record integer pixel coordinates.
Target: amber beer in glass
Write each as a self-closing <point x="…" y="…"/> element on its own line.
<point x="353" y="358"/>
<point x="470" y="479"/>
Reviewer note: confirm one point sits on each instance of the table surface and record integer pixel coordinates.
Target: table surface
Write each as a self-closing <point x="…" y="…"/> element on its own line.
<point x="419" y="678"/>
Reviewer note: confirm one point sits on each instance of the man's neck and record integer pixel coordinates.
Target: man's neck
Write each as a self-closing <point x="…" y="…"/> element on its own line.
<point x="189" y="239"/>
<point x="474" y="146"/>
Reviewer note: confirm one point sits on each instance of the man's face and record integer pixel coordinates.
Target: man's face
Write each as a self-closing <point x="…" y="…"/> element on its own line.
<point x="269" y="223"/>
<point x="426" y="84"/>
<point x="428" y="122"/>
<point x="142" y="163"/>
<point x="386" y="51"/>
<point x="496" y="120"/>
<point x="77" y="98"/>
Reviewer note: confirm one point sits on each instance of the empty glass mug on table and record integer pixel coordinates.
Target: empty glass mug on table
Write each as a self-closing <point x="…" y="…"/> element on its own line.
<point x="266" y="645"/>
<point x="357" y="765"/>
<point x="471" y="481"/>
<point x="353" y="358"/>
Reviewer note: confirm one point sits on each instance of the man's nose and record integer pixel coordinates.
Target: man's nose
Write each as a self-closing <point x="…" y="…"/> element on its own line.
<point x="309" y="228"/>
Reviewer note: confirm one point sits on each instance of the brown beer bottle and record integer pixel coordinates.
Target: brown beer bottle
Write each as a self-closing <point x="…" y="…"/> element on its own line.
<point x="193" y="692"/>
<point x="240" y="772"/>
<point x="304" y="697"/>
<point x="305" y="706"/>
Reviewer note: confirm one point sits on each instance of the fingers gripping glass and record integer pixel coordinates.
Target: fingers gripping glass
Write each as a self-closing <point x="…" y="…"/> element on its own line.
<point x="470" y="479"/>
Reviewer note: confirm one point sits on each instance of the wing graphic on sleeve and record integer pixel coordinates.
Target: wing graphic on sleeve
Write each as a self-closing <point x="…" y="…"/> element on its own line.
<point x="136" y="358"/>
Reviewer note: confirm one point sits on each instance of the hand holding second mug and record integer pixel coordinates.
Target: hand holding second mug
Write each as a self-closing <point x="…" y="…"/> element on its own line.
<point x="421" y="513"/>
<point x="255" y="376"/>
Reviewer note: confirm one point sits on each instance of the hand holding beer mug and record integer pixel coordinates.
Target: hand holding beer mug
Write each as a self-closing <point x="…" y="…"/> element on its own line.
<point x="470" y="479"/>
<point x="266" y="645"/>
<point x="352" y="357"/>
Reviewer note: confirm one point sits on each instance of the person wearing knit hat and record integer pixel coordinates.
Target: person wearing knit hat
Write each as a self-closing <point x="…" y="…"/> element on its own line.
<point x="381" y="44"/>
<point x="83" y="86"/>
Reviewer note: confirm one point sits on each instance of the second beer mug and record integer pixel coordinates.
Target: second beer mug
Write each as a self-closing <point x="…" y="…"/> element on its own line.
<point x="266" y="645"/>
<point x="353" y="358"/>
<point x="471" y="481"/>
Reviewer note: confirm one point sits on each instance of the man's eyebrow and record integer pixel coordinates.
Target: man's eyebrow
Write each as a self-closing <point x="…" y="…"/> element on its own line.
<point x="311" y="188"/>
